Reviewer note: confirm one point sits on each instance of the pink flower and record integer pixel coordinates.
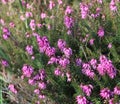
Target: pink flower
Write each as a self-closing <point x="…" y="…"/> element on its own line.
<point x="68" y="75"/>
<point x="109" y="45"/>
<point x="43" y="15"/>
<point x="111" y="101"/>
<point x="11" y="24"/>
<point x="40" y="75"/>
<point x="93" y="63"/>
<point x="61" y="44"/>
<point x="87" y="89"/>
<point x="4" y="63"/>
<point x="81" y="100"/>
<point x="2" y="22"/>
<point x="4" y="1"/>
<point x="60" y="2"/>
<point x="31" y="82"/>
<point x="51" y="4"/>
<point x="29" y="49"/>
<point x="12" y="88"/>
<point x="105" y="93"/>
<point x="84" y="10"/>
<point x="100" y="32"/>
<point x="37" y="91"/>
<point x="6" y="33"/>
<point x="117" y="90"/>
<point x="28" y="14"/>
<point x="69" y="22"/>
<point x="68" y="10"/>
<point x="57" y="72"/>
<point x="113" y="6"/>
<point x="86" y="69"/>
<point x="53" y="60"/>
<point x="41" y="96"/>
<point x="78" y="62"/>
<point x="42" y="85"/>
<point x="101" y="70"/>
<point x="27" y="70"/>
<point x="32" y="25"/>
<point x="106" y="67"/>
<point x="22" y="17"/>
<point x="91" y="41"/>
<point x="39" y="25"/>
<point x="64" y="62"/>
<point x="100" y="1"/>
<point x="50" y="51"/>
<point x="67" y="52"/>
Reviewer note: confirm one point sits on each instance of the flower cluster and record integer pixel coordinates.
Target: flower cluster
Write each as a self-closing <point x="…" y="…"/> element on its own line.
<point x="4" y="63"/>
<point x="113" y="6"/>
<point x="87" y="89"/>
<point x="6" y="33"/>
<point x="27" y="71"/>
<point x="84" y="10"/>
<point x="12" y="88"/>
<point x="106" y="67"/>
<point x="81" y="100"/>
<point x="44" y="46"/>
<point x="105" y="93"/>
<point x="100" y="32"/>
<point x="69" y="22"/>
<point x="37" y="80"/>
<point x="87" y="70"/>
<point x="32" y="24"/>
<point x="29" y="49"/>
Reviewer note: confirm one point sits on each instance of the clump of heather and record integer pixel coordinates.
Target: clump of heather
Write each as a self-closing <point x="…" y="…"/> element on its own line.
<point x="60" y="51"/>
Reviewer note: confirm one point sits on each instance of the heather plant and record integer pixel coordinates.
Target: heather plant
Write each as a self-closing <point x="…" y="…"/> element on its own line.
<point x="59" y="52"/>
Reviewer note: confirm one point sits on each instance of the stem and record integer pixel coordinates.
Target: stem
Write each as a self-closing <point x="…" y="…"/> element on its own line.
<point x="84" y="52"/>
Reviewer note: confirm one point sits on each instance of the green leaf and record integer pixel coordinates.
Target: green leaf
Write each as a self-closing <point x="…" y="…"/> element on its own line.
<point x="4" y="55"/>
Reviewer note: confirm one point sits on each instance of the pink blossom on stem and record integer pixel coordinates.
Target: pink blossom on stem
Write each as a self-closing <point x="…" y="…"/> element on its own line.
<point x="29" y="49"/>
<point x="4" y="63"/>
<point x="27" y="70"/>
<point x="100" y="32"/>
<point x="6" y="33"/>
<point x="57" y="72"/>
<point x="84" y="10"/>
<point x="43" y="15"/>
<point x="28" y="14"/>
<point x="117" y="90"/>
<point x="12" y="88"/>
<point x="64" y="62"/>
<point x="87" y="89"/>
<point x="78" y="62"/>
<point x="60" y="2"/>
<point x="61" y="44"/>
<point x="110" y="45"/>
<point x="91" y="41"/>
<point x="81" y="99"/>
<point x="32" y="24"/>
<point x="105" y="93"/>
<point x="67" y="52"/>
<point x="68" y="10"/>
<point x="42" y="85"/>
<point x="86" y="69"/>
<point x="113" y="6"/>
<point x="51" y="4"/>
